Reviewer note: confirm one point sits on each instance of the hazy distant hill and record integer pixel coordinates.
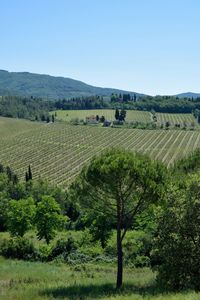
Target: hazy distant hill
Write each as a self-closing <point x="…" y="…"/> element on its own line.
<point x="37" y="85"/>
<point x="189" y="95"/>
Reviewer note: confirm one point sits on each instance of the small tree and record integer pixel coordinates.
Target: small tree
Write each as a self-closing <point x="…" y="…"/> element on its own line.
<point x="26" y="177"/>
<point x="9" y="173"/>
<point x="122" y="115"/>
<point x="167" y="125"/>
<point x="117" y="114"/>
<point x="30" y="176"/>
<point x="20" y="216"/>
<point x="120" y="184"/>
<point x="1" y="168"/>
<point x="177" y="247"/>
<point x="102" y="119"/>
<point x="48" y="218"/>
<point x="43" y="118"/>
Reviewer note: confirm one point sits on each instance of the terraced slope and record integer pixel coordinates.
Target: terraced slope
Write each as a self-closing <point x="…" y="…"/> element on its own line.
<point x="58" y="151"/>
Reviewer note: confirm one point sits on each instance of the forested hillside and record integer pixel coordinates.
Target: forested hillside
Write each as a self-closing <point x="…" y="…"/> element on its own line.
<point x="48" y="87"/>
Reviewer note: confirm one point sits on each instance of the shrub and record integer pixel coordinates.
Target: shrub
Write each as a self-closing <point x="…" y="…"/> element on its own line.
<point x="63" y="247"/>
<point x="77" y="257"/>
<point x="19" y="247"/>
<point x="44" y="253"/>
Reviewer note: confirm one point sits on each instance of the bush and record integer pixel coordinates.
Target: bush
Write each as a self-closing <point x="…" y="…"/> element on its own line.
<point x="19" y="247"/>
<point x="77" y="257"/>
<point x="142" y="261"/>
<point x="63" y="247"/>
<point x="43" y="253"/>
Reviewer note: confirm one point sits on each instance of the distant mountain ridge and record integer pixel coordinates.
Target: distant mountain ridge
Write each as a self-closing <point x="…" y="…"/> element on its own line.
<point x="50" y="87"/>
<point x="188" y="95"/>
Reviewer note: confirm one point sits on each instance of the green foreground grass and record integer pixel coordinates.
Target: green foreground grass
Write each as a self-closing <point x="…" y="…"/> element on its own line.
<point x="30" y="280"/>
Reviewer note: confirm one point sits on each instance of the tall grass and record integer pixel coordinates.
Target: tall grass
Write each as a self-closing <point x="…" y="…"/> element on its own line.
<point x="31" y="280"/>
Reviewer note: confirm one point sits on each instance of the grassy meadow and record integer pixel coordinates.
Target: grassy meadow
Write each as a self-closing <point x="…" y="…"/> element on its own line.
<point x="20" y="280"/>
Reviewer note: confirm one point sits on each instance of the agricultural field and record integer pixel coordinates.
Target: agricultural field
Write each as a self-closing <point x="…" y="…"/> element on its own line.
<point x="181" y="119"/>
<point x="109" y="114"/>
<point x="58" y="151"/>
<point x="21" y="280"/>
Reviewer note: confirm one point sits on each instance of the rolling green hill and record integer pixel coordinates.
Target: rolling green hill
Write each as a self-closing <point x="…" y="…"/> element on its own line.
<point x="58" y="151"/>
<point x="50" y="87"/>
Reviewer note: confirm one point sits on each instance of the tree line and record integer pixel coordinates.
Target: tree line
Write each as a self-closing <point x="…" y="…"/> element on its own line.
<point x="35" y="109"/>
<point x="38" y="109"/>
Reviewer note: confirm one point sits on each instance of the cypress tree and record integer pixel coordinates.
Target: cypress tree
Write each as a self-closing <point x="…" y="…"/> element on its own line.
<point x="30" y="176"/>
<point x="26" y="177"/>
<point x="117" y="114"/>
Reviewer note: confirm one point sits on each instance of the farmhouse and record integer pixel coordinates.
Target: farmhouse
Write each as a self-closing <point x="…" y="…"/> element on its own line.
<point x="91" y="120"/>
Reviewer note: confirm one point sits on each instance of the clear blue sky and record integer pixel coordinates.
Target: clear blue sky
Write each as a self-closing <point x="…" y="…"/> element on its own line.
<point x="150" y="46"/>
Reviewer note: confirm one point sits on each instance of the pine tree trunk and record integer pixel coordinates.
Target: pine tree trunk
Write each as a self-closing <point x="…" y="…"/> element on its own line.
<point x="119" y="257"/>
<point x="119" y="244"/>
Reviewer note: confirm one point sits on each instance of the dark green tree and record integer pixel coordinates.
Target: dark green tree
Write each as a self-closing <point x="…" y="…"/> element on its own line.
<point x="102" y="119"/>
<point x="30" y="176"/>
<point x="43" y="118"/>
<point x="117" y="114"/>
<point x="26" y="177"/>
<point x="167" y="125"/>
<point x="48" y="218"/>
<point x="20" y="216"/>
<point x="9" y="173"/>
<point x="120" y="184"/>
<point x="177" y="248"/>
<point x="122" y="115"/>
<point x="1" y="168"/>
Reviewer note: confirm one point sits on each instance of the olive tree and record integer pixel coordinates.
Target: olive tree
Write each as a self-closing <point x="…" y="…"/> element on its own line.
<point x="121" y="184"/>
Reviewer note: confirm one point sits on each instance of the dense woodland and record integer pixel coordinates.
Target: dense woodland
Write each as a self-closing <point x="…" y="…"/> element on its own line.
<point x="168" y="104"/>
<point x="34" y="109"/>
<point x="127" y="209"/>
<point x="38" y="109"/>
